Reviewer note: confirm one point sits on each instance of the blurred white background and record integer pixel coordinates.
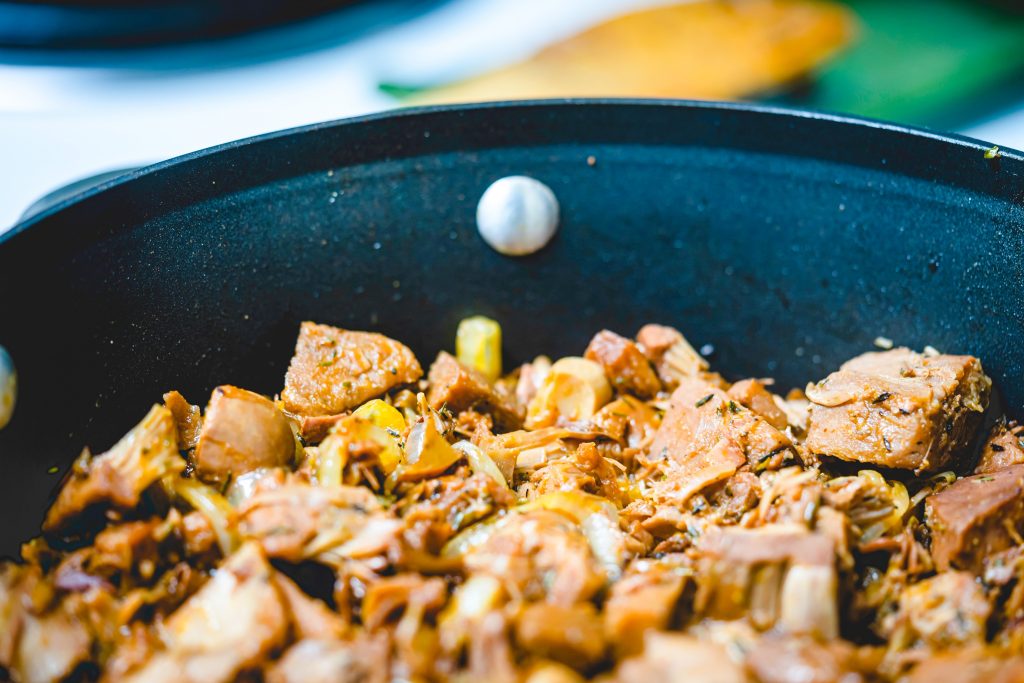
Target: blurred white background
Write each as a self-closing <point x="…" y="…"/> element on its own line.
<point x="112" y="111"/>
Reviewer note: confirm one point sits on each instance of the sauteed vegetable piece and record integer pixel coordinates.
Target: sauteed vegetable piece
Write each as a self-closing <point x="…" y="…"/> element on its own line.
<point x="623" y="515"/>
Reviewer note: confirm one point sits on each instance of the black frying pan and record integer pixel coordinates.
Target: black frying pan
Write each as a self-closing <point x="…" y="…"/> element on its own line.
<point x="787" y="240"/>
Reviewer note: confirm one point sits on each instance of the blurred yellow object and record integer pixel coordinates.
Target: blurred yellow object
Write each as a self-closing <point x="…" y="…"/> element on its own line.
<point x="478" y="345"/>
<point x="373" y="422"/>
<point x="382" y="415"/>
<point x="712" y="49"/>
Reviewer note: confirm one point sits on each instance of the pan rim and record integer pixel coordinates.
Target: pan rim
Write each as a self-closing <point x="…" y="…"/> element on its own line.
<point x="914" y="133"/>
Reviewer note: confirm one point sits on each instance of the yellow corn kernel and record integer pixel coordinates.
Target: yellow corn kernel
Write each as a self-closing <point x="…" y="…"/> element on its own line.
<point x="478" y="345"/>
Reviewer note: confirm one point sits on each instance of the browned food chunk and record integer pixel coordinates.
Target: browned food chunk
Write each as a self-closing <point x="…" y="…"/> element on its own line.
<point x="188" y="418"/>
<point x="646" y="598"/>
<point x="388" y="598"/>
<point x="777" y="576"/>
<point x="310" y="618"/>
<point x="197" y="534"/>
<point x="672" y="355"/>
<point x="701" y="415"/>
<point x="775" y="659"/>
<point x="739" y="493"/>
<point x="571" y="634"/>
<point x="434" y="510"/>
<point x="654" y="340"/>
<point x="628" y="421"/>
<point x="898" y="409"/>
<point x="970" y="665"/>
<point x="128" y="546"/>
<point x="701" y="470"/>
<point x="335" y="370"/>
<point x="1005" y="447"/>
<point x="975" y="517"/>
<point x="750" y="393"/>
<point x="332" y="661"/>
<point x="679" y="658"/>
<point x="625" y="365"/>
<point x="298" y="522"/>
<point x="119" y="476"/>
<point x="1004" y="567"/>
<point x="531" y="377"/>
<point x="945" y="611"/>
<point x="459" y="388"/>
<point x="243" y="431"/>
<point x="49" y="647"/>
<point x="769" y="544"/>
<point x="314" y="428"/>
<point x="234" y="622"/>
<point x="543" y="554"/>
<point x="583" y="470"/>
<point x="38" y="643"/>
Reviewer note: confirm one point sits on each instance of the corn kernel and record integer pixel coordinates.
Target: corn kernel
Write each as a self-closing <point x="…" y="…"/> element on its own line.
<point x="478" y="345"/>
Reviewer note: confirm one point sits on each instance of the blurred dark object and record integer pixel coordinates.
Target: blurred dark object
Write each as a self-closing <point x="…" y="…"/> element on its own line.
<point x="1012" y="5"/>
<point x="101" y="24"/>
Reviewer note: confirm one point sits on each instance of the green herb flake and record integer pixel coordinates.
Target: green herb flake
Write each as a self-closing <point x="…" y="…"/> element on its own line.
<point x="882" y="397"/>
<point x="53" y="470"/>
<point x="733" y="408"/>
<point x="993" y="152"/>
<point x="704" y="400"/>
<point x="981" y="480"/>
<point x="762" y="462"/>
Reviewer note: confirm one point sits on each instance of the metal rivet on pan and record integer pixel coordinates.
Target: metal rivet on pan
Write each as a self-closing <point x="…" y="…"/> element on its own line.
<point x="8" y="387"/>
<point x="517" y="215"/>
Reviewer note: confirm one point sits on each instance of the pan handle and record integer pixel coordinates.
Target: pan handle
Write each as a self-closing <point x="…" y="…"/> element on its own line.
<point x="71" y="189"/>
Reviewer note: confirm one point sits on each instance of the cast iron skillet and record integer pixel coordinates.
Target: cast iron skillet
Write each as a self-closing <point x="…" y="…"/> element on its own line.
<point x="786" y="240"/>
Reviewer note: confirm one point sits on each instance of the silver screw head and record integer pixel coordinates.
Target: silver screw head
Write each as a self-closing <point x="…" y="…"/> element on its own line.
<point x="517" y="215"/>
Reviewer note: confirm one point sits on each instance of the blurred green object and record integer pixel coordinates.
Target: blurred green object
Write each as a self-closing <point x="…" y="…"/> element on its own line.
<point x="940" y="63"/>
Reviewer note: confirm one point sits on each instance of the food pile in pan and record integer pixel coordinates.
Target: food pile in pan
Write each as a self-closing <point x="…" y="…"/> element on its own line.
<point x="624" y="515"/>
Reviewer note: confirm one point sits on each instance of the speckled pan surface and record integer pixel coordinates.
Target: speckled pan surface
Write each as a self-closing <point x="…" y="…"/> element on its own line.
<point x="786" y="240"/>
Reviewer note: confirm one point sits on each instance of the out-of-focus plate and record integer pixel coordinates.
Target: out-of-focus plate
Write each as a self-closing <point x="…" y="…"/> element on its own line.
<point x="91" y="24"/>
